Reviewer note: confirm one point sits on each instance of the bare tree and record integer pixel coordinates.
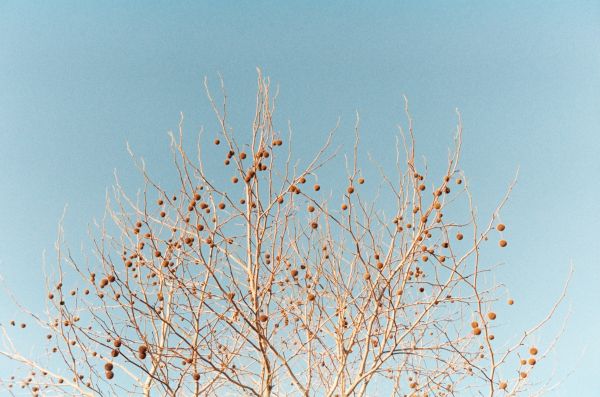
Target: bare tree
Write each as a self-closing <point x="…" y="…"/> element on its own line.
<point x="269" y="284"/>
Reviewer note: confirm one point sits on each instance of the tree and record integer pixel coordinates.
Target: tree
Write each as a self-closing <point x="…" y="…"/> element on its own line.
<point x="271" y="284"/>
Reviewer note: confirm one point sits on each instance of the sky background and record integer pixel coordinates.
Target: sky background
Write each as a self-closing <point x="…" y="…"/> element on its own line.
<point x="80" y="79"/>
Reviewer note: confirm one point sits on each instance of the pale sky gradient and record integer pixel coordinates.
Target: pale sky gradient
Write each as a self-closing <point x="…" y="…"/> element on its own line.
<point x="78" y="79"/>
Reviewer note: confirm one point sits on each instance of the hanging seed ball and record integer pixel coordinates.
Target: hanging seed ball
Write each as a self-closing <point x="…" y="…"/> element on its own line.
<point x="294" y="272"/>
<point x="217" y="141"/>
<point x="474" y="324"/>
<point x="50" y="296"/>
<point x="491" y="337"/>
<point x="523" y="375"/>
<point x="142" y="355"/>
<point x="503" y="385"/>
<point x="163" y="214"/>
<point x="531" y="361"/>
<point x="117" y="343"/>
<point x="367" y="276"/>
<point x="491" y="315"/>
<point x="379" y="265"/>
<point x="108" y="367"/>
<point x="500" y="227"/>
<point x="502" y="243"/>
<point x="476" y="331"/>
<point x="459" y="236"/>
<point x="280" y="199"/>
<point x="302" y="179"/>
<point x="263" y="318"/>
<point x="361" y="181"/>
<point x="458" y="181"/>
<point x="221" y="206"/>
<point x="109" y="375"/>
<point x="314" y="225"/>
<point x="311" y="208"/>
<point x="196" y="376"/>
<point x="511" y="302"/>
<point x="242" y="155"/>
<point x="114" y="353"/>
<point x="159" y="202"/>
<point x="234" y="179"/>
<point x="421" y="187"/>
<point x="533" y="351"/>
<point x="23" y="325"/>
<point x="310" y="297"/>
<point x="350" y="189"/>
<point x="344" y="207"/>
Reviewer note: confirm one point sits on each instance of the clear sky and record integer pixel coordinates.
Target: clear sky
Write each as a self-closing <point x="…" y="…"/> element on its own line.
<point x="79" y="79"/>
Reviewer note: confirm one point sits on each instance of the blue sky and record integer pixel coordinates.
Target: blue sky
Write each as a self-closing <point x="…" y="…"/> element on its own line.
<point x="80" y="79"/>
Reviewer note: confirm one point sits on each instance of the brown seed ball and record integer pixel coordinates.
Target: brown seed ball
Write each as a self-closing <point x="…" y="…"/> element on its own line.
<point x="458" y="181"/>
<point x="294" y="272"/>
<point x="523" y="375"/>
<point x="459" y="236"/>
<point x="311" y="208"/>
<point x="217" y="142"/>
<point x="109" y="375"/>
<point x="523" y="361"/>
<point x="531" y="361"/>
<point x="502" y="243"/>
<point x="379" y="265"/>
<point x="117" y="343"/>
<point x="142" y="355"/>
<point x="344" y="207"/>
<point x="500" y="227"/>
<point x="474" y="324"/>
<point x="114" y="353"/>
<point x="511" y="302"/>
<point x="317" y="188"/>
<point x="503" y="385"/>
<point x="221" y="206"/>
<point x="196" y="376"/>
<point x="476" y="331"/>
<point x="350" y="189"/>
<point x="263" y="318"/>
<point x="422" y="187"/>
<point x="163" y="214"/>
<point x="491" y="315"/>
<point x="310" y="297"/>
<point x="108" y="367"/>
<point x="314" y="225"/>
<point x="361" y="181"/>
<point x="367" y="276"/>
<point x="533" y="351"/>
<point x="491" y="337"/>
<point x="23" y="325"/>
